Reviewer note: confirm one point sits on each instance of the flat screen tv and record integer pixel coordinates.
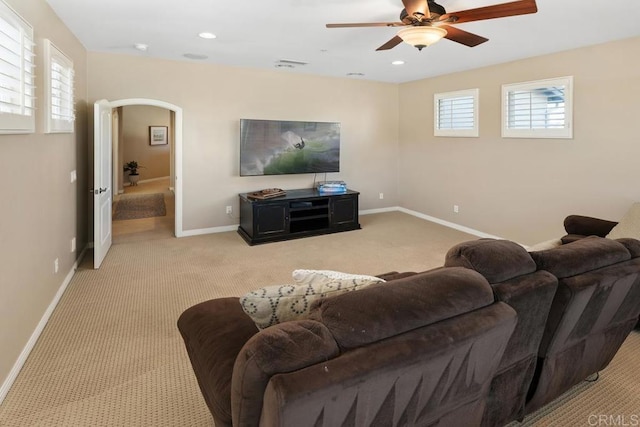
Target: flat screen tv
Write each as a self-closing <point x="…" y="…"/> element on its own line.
<point x="275" y="147"/>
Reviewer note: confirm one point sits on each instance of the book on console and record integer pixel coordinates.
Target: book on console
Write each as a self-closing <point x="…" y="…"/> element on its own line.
<point x="267" y="193"/>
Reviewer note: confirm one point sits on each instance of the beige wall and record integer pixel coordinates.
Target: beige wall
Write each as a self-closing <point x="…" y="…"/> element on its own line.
<point x="516" y="188"/>
<point x="136" y="120"/>
<point x="522" y="189"/>
<point x="42" y="210"/>
<point x="215" y="98"/>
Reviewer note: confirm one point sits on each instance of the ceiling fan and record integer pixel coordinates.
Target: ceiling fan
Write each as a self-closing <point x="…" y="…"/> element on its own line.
<point x="425" y="22"/>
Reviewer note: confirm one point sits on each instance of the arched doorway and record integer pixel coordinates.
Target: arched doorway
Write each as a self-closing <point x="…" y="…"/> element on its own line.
<point x="176" y="155"/>
<point x="103" y="168"/>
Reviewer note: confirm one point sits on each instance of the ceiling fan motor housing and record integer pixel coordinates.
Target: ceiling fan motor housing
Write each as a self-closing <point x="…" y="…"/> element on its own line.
<point x="435" y="11"/>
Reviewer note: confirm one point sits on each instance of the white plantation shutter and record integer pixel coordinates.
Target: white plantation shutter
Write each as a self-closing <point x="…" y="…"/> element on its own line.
<point x="17" y="90"/>
<point x="456" y="113"/>
<point x="541" y="109"/>
<point x="60" y="113"/>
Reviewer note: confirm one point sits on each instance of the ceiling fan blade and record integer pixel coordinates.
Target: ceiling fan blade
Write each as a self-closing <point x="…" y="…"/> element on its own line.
<point x="463" y="37"/>
<point x="416" y="6"/>
<point x="522" y="7"/>
<point x="391" y="43"/>
<point x="366" y="24"/>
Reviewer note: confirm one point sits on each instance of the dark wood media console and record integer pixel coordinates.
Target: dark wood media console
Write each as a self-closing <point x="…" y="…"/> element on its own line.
<point x="300" y="213"/>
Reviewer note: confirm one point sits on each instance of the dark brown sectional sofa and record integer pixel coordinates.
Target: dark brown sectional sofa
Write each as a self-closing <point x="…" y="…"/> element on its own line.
<point x="568" y="334"/>
<point x="493" y="335"/>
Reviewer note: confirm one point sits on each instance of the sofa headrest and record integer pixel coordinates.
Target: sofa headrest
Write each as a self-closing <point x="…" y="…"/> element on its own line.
<point x="378" y="312"/>
<point x="581" y="256"/>
<point x="288" y="346"/>
<point x="496" y="260"/>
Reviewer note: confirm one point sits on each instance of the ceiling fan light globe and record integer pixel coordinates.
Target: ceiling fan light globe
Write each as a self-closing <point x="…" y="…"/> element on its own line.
<point x="421" y="37"/>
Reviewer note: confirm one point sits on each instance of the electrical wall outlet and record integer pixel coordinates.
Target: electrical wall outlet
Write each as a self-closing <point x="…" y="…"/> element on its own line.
<point x="381" y="196"/>
<point x="229" y="209"/>
<point x="456" y="209"/>
<point x="56" y="266"/>
<point x="73" y="245"/>
<point x="74" y="176"/>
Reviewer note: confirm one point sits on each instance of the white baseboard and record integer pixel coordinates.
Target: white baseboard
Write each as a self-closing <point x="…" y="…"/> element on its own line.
<point x="212" y="230"/>
<point x="449" y="224"/>
<point x="17" y="366"/>
<point x="223" y="229"/>
<point x="380" y="210"/>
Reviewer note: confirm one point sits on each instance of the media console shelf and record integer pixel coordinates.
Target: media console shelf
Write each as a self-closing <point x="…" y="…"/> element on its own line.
<point x="299" y="213"/>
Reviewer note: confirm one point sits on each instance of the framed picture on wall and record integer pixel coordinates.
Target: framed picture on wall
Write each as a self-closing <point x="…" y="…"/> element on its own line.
<point x="158" y="135"/>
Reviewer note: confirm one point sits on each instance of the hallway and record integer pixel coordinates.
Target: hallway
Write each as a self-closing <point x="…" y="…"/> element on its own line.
<point x="161" y="227"/>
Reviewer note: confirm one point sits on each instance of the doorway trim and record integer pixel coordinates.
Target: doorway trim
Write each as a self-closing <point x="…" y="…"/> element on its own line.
<point x="177" y="152"/>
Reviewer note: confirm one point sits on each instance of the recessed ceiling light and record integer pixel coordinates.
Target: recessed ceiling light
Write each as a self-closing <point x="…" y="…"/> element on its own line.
<point x="195" y="56"/>
<point x="207" y="35"/>
<point x="141" y="46"/>
<point x="397" y="63"/>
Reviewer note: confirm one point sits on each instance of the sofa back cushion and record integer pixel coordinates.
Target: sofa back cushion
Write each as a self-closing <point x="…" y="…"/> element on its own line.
<point x="381" y="311"/>
<point x="581" y="256"/>
<point x="632" y="245"/>
<point x="496" y="260"/>
<point x="437" y="375"/>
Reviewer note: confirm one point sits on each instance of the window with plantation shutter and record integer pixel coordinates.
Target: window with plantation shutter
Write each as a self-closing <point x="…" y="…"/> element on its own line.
<point x="17" y="91"/>
<point x="456" y="113"/>
<point x="59" y="107"/>
<point x="540" y="109"/>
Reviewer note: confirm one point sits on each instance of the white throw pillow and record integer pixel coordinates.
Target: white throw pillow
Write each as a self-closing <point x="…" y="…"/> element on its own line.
<point x="280" y="303"/>
<point x="332" y="279"/>
<point x="629" y="225"/>
<point x="547" y="244"/>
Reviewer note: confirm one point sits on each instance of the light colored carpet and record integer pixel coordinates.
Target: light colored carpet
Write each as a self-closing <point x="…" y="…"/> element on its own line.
<point x="136" y="206"/>
<point x="111" y="354"/>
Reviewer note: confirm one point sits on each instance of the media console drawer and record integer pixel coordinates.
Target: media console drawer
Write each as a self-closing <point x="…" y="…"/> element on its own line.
<point x="299" y="213"/>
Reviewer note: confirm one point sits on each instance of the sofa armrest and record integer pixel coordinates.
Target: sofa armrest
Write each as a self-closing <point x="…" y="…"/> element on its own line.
<point x="214" y="332"/>
<point x="281" y="348"/>
<point x="588" y="226"/>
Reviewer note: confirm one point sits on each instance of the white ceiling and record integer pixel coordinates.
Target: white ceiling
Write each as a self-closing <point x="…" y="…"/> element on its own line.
<point x="258" y="33"/>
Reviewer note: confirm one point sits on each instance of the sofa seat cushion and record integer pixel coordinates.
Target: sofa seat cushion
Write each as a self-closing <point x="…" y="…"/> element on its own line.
<point x="580" y="256"/>
<point x="496" y="260"/>
<point x="378" y="312"/>
<point x="271" y="305"/>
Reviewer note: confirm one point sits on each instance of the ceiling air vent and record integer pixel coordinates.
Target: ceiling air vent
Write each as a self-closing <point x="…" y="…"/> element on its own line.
<point x="289" y="63"/>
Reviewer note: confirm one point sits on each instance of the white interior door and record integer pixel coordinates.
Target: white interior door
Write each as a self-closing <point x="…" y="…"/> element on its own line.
<point x="102" y="183"/>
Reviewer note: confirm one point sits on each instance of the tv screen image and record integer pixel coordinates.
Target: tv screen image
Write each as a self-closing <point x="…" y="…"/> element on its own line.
<point x="275" y="147"/>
